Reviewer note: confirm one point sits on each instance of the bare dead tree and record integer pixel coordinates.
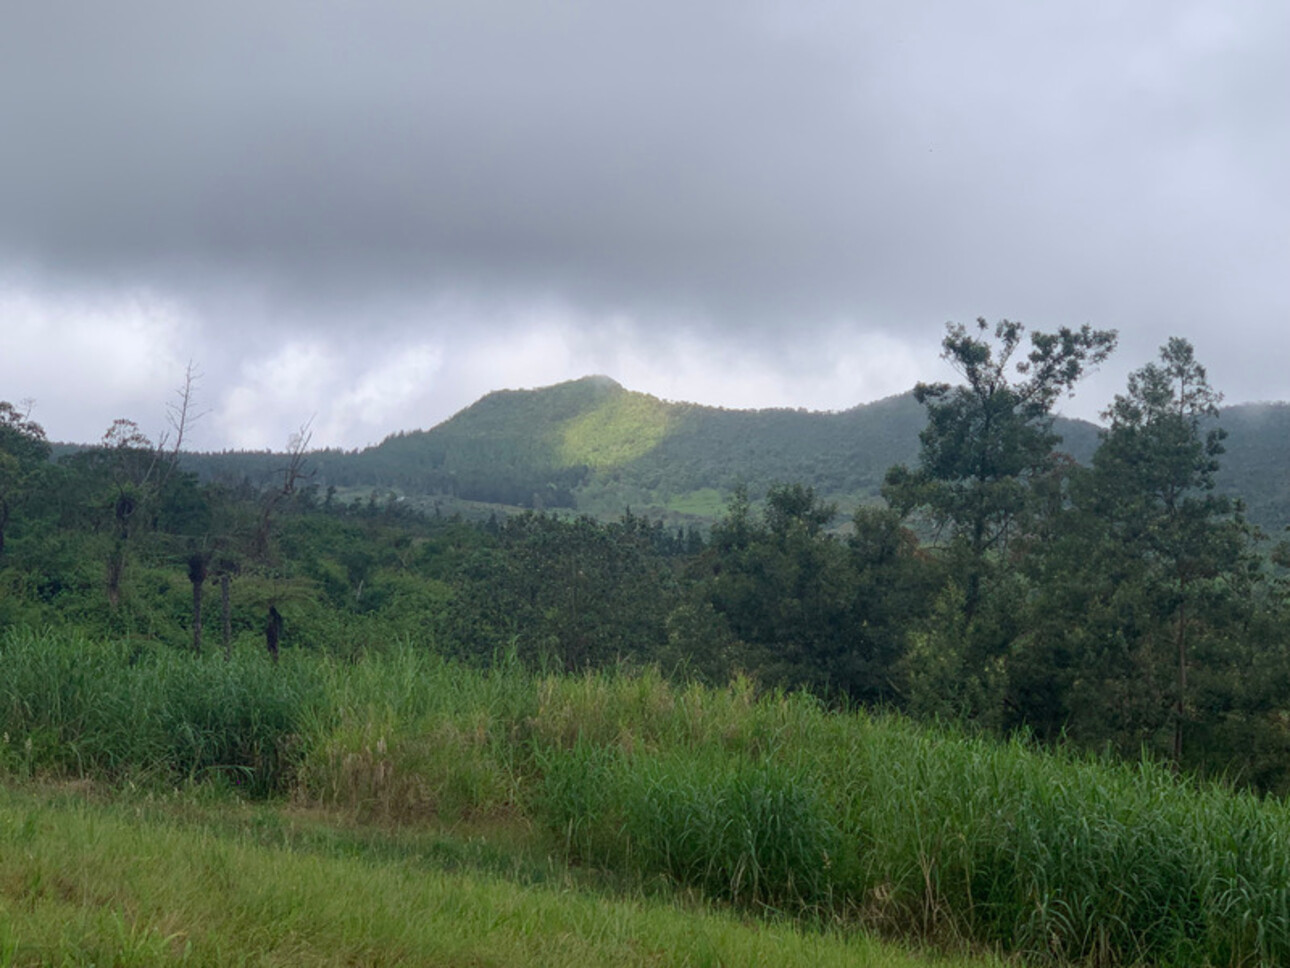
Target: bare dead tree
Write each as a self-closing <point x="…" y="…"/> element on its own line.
<point x="181" y="414"/>
<point x="179" y="411"/>
<point x="141" y="470"/>
<point x="292" y="473"/>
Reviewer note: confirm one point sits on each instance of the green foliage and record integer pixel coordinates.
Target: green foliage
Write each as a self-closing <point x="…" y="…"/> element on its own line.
<point x="815" y="610"/>
<point x="987" y="442"/>
<point x="505" y="448"/>
<point x="574" y="593"/>
<point x="1254" y="466"/>
<point x="20" y="436"/>
<point x="592" y="445"/>
<point x="411" y="736"/>
<point x="706" y="502"/>
<point x="987" y="487"/>
<point x="1064" y="627"/>
<point x="1047" y="856"/>
<point x="1110" y="606"/>
<point x="1150" y="573"/>
<point x="23" y="451"/>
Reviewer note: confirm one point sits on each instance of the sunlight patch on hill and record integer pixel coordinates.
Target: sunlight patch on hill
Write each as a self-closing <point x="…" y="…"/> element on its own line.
<point x="620" y="430"/>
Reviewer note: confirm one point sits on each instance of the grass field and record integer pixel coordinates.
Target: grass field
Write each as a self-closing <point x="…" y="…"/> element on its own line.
<point x="707" y="502"/>
<point x="190" y="881"/>
<point x="608" y="795"/>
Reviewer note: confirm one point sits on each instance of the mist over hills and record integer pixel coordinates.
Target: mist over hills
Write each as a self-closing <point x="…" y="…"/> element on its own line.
<point x="593" y="446"/>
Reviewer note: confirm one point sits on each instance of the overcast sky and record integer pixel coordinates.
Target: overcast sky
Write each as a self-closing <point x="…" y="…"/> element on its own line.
<point x="371" y="212"/>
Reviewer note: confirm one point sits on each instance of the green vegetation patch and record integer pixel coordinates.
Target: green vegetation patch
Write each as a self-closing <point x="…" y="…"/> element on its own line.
<point x="757" y="834"/>
<point x="622" y="429"/>
<point x="706" y="502"/>
<point x="106" y="885"/>
<point x="768" y="801"/>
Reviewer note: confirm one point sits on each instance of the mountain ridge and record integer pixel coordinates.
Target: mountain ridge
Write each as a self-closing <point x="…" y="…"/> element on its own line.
<point x="592" y="445"/>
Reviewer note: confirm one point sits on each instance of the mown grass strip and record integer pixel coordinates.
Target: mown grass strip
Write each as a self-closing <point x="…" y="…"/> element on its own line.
<point x="81" y="884"/>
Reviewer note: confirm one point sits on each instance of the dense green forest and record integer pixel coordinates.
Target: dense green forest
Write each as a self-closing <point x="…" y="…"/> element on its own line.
<point x="1124" y="603"/>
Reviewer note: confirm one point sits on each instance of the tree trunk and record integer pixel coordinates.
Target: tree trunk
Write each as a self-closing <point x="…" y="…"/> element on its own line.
<point x="115" y="571"/>
<point x="226" y="614"/>
<point x="1180" y="708"/>
<point x="197" y="575"/>
<point x="197" y="617"/>
<point x="273" y="632"/>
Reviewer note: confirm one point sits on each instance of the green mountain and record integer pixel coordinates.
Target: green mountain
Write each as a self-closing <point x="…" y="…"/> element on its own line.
<point x="594" y="446"/>
<point x="1256" y="464"/>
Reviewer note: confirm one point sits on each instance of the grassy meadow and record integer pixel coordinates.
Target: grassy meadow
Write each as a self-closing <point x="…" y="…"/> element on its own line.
<point x="138" y="882"/>
<point x="404" y="809"/>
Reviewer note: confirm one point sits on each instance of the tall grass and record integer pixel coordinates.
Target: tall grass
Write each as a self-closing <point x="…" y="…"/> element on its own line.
<point x="755" y="834"/>
<point x="924" y="831"/>
<point x="767" y="802"/>
<point x="413" y="735"/>
<point x="117" y="711"/>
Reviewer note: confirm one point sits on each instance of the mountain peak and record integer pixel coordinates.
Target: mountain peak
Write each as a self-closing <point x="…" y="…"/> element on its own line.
<point x="599" y="380"/>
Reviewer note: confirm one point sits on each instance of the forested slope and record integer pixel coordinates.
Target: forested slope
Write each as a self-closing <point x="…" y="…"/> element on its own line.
<point x="593" y="445"/>
<point x="1256" y="465"/>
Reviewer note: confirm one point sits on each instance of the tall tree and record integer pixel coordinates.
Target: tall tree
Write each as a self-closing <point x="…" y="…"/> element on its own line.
<point x="23" y="450"/>
<point x="1153" y="487"/>
<point x="893" y="582"/>
<point x="790" y="592"/>
<point x="989" y="439"/>
<point x="132" y="464"/>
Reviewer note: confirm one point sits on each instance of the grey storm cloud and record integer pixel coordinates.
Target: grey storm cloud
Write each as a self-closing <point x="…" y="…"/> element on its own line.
<point x="741" y="168"/>
<point x="356" y="146"/>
